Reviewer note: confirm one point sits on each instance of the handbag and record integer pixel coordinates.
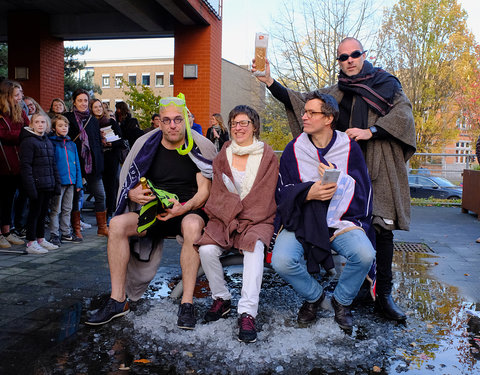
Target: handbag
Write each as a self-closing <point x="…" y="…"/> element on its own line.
<point x="124" y="151"/>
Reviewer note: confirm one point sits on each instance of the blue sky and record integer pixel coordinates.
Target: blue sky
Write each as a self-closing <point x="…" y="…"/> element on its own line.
<point x="241" y="20"/>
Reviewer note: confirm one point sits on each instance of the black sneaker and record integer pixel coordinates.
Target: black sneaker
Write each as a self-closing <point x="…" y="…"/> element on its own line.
<point x="71" y="238"/>
<point x="219" y="309"/>
<point x="246" y="328"/>
<point x="186" y="316"/>
<point x="111" y="310"/>
<point x="21" y="233"/>
<point x="54" y="239"/>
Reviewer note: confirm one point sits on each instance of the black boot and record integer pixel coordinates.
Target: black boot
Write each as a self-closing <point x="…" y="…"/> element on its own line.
<point x="308" y="311"/>
<point x="343" y="315"/>
<point x="386" y="306"/>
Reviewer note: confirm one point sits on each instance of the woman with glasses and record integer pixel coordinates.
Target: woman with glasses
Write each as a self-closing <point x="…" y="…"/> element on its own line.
<point x="217" y="132"/>
<point x="241" y="209"/>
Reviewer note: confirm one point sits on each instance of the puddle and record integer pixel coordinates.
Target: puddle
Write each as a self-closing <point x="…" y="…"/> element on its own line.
<point x="441" y="335"/>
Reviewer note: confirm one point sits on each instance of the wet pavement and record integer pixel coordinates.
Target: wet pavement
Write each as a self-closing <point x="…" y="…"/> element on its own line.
<point x="44" y="298"/>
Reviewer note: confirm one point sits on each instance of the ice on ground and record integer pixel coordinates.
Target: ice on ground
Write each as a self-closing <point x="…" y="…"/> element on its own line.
<point x="282" y="346"/>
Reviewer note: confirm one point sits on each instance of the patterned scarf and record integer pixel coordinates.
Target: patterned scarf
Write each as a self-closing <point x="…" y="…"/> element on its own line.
<point x="374" y="89"/>
<point x="82" y="120"/>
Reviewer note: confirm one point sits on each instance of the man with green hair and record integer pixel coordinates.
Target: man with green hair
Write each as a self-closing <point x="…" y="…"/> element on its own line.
<point x="177" y="160"/>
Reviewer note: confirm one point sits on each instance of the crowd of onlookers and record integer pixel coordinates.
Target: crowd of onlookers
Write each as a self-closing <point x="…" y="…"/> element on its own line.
<point x="52" y="161"/>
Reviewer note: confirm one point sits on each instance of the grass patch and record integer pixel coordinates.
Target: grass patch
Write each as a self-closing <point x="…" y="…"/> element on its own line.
<point x="436" y="202"/>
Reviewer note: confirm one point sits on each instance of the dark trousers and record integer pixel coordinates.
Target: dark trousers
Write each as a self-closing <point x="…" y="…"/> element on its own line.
<point x="8" y="187"/>
<point x="384" y="242"/>
<point x="110" y="179"/>
<point x="37" y="214"/>
<point x="20" y="209"/>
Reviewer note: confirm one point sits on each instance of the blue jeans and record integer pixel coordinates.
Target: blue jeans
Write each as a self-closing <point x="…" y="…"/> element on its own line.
<point x="288" y="261"/>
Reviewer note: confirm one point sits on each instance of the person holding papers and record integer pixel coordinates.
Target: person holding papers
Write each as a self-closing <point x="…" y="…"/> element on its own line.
<point x="112" y="146"/>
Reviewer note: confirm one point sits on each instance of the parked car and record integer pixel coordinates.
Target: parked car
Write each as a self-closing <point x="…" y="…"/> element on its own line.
<point x="432" y="186"/>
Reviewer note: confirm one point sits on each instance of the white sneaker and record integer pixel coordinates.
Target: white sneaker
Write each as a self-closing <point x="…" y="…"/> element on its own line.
<point x="47" y="245"/>
<point x="84" y="225"/>
<point x="35" y="248"/>
<point x="4" y="244"/>
<point x="14" y="239"/>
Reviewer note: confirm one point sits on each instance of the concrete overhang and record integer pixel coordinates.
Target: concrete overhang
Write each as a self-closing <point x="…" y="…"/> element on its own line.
<point x="105" y="19"/>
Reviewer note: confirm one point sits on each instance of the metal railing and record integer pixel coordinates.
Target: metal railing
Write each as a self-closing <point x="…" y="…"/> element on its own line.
<point x="447" y="165"/>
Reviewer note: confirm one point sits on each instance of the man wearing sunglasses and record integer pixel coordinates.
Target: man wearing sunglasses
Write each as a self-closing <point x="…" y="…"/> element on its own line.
<point x="375" y="112"/>
<point x="176" y="160"/>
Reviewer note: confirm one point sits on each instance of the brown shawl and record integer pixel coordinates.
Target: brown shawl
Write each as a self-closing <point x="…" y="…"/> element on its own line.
<point x="236" y="223"/>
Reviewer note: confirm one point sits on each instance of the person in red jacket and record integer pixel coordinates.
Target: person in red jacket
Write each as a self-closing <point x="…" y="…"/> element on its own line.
<point x="12" y="119"/>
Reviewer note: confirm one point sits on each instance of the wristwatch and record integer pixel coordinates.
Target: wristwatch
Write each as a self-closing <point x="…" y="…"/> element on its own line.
<point x="374" y="130"/>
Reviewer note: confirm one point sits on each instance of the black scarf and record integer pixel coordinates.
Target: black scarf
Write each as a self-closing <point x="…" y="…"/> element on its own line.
<point x="374" y="88"/>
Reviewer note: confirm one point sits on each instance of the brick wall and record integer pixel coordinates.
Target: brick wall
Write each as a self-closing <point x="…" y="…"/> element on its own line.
<point x="201" y="45"/>
<point x="29" y="45"/>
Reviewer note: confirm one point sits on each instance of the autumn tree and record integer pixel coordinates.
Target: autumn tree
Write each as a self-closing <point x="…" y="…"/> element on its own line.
<point x="306" y="34"/>
<point x="276" y="131"/>
<point x="469" y="99"/>
<point x="143" y="101"/>
<point x="303" y="49"/>
<point x="72" y="80"/>
<point x="427" y="45"/>
<point x="3" y="60"/>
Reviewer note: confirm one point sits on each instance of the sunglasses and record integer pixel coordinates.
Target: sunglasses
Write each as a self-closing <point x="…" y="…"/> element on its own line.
<point x="354" y="55"/>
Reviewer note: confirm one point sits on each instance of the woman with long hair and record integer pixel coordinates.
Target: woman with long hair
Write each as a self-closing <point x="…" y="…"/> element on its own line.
<point x="111" y="153"/>
<point x="217" y="132"/>
<point x="85" y="132"/>
<point x="12" y="119"/>
<point x="129" y="125"/>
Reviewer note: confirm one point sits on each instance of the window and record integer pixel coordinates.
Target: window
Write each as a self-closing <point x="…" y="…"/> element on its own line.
<point x="105" y="80"/>
<point x="118" y="80"/>
<point x="146" y="79"/>
<point x="463" y="147"/>
<point x="171" y="79"/>
<point x="132" y="79"/>
<point x="159" y="80"/>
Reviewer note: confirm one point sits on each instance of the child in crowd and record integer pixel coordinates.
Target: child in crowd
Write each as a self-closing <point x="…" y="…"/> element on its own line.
<point x="68" y="166"/>
<point x="40" y="180"/>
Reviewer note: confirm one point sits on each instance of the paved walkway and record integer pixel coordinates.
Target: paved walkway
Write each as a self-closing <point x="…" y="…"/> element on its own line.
<point x="34" y="287"/>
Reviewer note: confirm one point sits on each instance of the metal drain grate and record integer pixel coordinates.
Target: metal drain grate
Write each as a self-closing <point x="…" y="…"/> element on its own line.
<point x="412" y="247"/>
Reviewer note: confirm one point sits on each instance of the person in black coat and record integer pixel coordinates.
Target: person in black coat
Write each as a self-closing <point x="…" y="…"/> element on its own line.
<point x="40" y="180"/>
<point x="85" y="132"/>
<point x="129" y="125"/>
<point x="217" y="132"/>
<point x="112" y="151"/>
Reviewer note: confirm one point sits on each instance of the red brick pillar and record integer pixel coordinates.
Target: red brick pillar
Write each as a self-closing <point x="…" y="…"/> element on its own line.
<point x="201" y="45"/>
<point x="31" y="46"/>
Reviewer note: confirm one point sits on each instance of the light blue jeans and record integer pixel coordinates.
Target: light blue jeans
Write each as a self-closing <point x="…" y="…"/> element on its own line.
<point x="288" y="261"/>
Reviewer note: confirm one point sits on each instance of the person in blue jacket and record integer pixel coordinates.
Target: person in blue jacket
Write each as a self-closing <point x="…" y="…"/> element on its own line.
<point x="68" y="166"/>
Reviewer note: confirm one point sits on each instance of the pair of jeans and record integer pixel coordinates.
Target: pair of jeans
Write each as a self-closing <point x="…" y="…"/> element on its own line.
<point x="94" y="186"/>
<point x="251" y="277"/>
<point x="61" y="204"/>
<point x="288" y="261"/>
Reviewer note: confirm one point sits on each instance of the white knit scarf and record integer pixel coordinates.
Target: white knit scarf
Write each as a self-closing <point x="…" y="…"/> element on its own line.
<point x="255" y="153"/>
